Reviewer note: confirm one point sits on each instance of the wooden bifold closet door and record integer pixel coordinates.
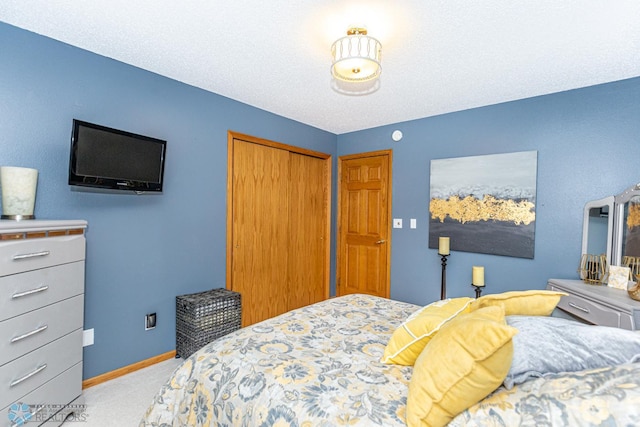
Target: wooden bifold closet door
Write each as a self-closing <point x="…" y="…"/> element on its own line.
<point x="278" y="212"/>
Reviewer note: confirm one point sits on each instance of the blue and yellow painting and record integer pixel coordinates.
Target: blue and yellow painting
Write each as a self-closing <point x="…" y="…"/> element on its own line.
<point x="485" y="204"/>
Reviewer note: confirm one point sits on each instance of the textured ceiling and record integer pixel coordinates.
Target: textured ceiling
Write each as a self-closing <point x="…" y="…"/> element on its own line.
<point x="438" y="56"/>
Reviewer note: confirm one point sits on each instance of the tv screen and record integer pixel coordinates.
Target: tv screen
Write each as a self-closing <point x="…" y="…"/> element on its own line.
<point x="107" y="158"/>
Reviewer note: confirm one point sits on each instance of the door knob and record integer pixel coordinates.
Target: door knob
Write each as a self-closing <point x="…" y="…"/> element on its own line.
<point x="381" y="241"/>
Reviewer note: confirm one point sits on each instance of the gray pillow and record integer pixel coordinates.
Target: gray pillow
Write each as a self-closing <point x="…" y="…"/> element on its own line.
<point x="547" y="345"/>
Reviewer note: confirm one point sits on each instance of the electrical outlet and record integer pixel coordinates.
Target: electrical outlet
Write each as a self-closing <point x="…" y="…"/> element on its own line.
<point x="87" y="337"/>
<point x="150" y="321"/>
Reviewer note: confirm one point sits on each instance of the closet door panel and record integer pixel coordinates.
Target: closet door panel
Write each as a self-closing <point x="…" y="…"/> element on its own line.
<point x="278" y="226"/>
<point x="260" y="229"/>
<point x="307" y="226"/>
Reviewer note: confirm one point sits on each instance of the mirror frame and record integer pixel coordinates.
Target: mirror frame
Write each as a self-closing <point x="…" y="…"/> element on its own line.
<point x="607" y="201"/>
<point x="620" y="201"/>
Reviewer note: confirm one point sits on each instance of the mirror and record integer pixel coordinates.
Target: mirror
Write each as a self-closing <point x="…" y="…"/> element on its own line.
<point x="626" y="240"/>
<point x="611" y="229"/>
<point x="597" y="228"/>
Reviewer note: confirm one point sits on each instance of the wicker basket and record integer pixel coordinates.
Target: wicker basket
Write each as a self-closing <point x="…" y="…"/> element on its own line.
<point x="205" y="316"/>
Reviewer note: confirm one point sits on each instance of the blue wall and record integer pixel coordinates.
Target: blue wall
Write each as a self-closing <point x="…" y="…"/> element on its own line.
<point x="588" y="144"/>
<point x="142" y="251"/>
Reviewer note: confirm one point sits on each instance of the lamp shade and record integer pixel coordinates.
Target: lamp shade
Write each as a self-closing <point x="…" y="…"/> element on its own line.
<point x="356" y="57"/>
<point x="18" y="186"/>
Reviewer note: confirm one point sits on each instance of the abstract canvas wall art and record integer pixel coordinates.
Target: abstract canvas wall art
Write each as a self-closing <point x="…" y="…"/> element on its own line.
<point x="485" y="204"/>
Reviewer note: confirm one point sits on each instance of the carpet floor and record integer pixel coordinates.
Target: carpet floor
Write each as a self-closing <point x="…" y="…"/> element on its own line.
<point x="122" y="402"/>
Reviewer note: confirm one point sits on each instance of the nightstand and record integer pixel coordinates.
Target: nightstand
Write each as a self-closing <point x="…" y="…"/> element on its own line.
<point x="597" y="304"/>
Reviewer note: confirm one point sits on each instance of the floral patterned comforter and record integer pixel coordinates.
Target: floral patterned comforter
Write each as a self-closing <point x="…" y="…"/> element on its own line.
<point x="314" y="366"/>
<point x="319" y="366"/>
<point x="601" y="397"/>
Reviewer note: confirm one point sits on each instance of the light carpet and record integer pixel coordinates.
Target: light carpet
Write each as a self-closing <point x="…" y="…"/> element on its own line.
<point x="122" y="402"/>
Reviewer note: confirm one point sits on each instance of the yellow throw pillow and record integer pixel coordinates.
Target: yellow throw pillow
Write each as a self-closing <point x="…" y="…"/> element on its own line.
<point x="467" y="360"/>
<point x="409" y="339"/>
<point x="525" y="303"/>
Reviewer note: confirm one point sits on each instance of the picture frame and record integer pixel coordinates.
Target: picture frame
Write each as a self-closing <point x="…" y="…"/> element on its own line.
<point x="485" y="204"/>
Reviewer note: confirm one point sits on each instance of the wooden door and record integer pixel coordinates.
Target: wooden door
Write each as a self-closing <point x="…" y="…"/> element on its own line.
<point x="308" y="225"/>
<point x="364" y="226"/>
<point x="278" y="214"/>
<point x="260" y="230"/>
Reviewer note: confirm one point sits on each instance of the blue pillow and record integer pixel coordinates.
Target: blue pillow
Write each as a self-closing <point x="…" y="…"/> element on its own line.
<point x="548" y="345"/>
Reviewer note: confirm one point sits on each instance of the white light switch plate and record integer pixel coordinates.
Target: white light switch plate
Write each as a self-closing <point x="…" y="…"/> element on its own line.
<point x="413" y="223"/>
<point x="397" y="222"/>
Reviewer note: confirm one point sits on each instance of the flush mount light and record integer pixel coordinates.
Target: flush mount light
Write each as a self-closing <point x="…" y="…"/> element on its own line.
<point x="356" y="57"/>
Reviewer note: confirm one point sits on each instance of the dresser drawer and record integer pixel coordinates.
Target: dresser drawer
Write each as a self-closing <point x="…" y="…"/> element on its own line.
<point x="22" y="334"/>
<point x="599" y="305"/>
<point x="44" y="400"/>
<point x="36" y="368"/>
<point x="31" y="254"/>
<point x="21" y="293"/>
<point x="589" y="311"/>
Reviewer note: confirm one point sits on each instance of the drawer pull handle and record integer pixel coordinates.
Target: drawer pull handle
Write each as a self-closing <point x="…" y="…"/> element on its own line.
<point x="586" y="310"/>
<point x="31" y="255"/>
<point x="29" y="375"/>
<point x="31" y="292"/>
<point x="28" y="334"/>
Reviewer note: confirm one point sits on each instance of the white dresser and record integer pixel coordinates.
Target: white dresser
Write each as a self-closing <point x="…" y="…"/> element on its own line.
<point x="597" y="304"/>
<point x="41" y="321"/>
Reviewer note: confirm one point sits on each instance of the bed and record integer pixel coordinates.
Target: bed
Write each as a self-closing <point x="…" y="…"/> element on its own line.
<point x="321" y="365"/>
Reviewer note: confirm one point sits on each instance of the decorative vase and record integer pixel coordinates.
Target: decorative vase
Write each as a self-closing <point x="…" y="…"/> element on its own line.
<point x="634" y="288"/>
<point x="18" y="192"/>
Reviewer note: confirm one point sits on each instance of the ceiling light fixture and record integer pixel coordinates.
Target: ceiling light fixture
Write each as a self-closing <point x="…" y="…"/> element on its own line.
<point x="356" y="57"/>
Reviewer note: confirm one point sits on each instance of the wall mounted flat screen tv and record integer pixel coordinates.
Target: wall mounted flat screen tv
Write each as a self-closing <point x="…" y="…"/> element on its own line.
<point x="112" y="159"/>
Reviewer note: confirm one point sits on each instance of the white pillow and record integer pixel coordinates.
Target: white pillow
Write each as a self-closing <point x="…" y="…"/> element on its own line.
<point x="547" y="345"/>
